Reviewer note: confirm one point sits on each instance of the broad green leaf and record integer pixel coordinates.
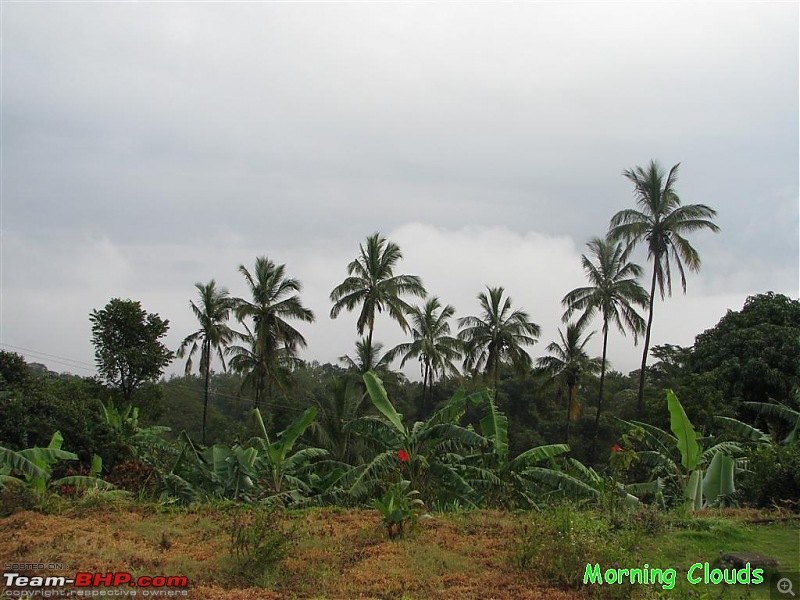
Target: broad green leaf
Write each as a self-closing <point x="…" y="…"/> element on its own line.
<point x="494" y="426"/>
<point x="288" y="436"/>
<point x="718" y="480"/>
<point x="57" y="441"/>
<point x="536" y="454"/>
<point x="746" y="432"/>
<point x="694" y="490"/>
<point x="97" y="466"/>
<point x="11" y="460"/>
<point x="381" y="401"/>
<point x="683" y="430"/>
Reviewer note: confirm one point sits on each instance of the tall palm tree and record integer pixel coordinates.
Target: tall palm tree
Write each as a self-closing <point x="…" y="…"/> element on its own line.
<point x="214" y="335"/>
<point x="373" y="285"/>
<point x="614" y="292"/>
<point x="497" y="336"/>
<point x="662" y="222"/>
<point x="567" y="362"/>
<point x="432" y="344"/>
<point x="275" y="300"/>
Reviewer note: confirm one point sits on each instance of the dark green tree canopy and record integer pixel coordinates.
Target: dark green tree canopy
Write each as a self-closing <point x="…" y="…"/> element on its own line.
<point x="128" y="351"/>
<point x="754" y="352"/>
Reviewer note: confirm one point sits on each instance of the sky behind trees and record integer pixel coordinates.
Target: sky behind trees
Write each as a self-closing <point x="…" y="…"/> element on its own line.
<point x="149" y="146"/>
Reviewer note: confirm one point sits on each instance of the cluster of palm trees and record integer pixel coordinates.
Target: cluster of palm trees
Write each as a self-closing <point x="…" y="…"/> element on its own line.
<point x="267" y="349"/>
<point x="269" y="342"/>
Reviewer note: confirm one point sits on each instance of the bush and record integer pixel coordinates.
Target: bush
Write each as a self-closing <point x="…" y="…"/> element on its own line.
<point x="134" y="477"/>
<point x="773" y="478"/>
<point x="559" y="542"/>
<point x="15" y="497"/>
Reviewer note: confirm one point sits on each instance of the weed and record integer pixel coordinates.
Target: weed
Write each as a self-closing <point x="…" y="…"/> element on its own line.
<point x="259" y="540"/>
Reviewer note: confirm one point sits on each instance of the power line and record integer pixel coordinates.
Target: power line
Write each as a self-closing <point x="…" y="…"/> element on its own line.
<point x="63" y="360"/>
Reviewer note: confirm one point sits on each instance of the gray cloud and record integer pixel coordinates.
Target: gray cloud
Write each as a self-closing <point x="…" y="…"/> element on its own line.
<point x="149" y="146"/>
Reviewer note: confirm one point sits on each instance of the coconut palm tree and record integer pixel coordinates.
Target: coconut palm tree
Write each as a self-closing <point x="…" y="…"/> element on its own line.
<point x="259" y="370"/>
<point x="373" y="285"/>
<point x="497" y="336"/>
<point x="614" y="292"/>
<point x="212" y="337"/>
<point x="432" y="344"/>
<point x="275" y="300"/>
<point x="662" y="222"/>
<point x="567" y="363"/>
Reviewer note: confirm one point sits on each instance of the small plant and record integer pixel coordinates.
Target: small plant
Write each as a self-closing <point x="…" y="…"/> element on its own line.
<point x="259" y="540"/>
<point x="399" y="506"/>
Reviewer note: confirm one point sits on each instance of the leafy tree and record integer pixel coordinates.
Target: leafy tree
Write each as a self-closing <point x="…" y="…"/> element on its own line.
<point x="662" y="222"/>
<point x="497" y="336"/>
<point x="432" y="344"/>
<point x="373" y="285"/>
<point x="274" y="342"/>
<point x="753" y="352"/>
<point x="128" y="350"/>
<point x="567" y="363"/>
<point x="214" y="335"/>
<point x="614" y="292"/>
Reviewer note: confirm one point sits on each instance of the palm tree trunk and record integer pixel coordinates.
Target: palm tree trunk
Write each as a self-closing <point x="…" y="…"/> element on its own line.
<point x="425" y="388"/>
<point x="369" y="347"/>
<point x="600" y="394"/>
<point x="640" y="399"/>
<point x="205" y="399"/>
<point x="569" y="412"/>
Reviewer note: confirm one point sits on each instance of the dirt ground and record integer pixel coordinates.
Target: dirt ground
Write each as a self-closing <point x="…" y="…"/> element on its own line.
<point x="337" y="554"/>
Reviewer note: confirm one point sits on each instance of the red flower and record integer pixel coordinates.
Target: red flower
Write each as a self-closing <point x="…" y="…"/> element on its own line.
<point x="616" y="448"/>
<point x="402" y="456"/>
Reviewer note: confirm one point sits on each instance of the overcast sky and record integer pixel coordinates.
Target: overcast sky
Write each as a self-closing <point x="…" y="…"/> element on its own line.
<point x="149" y="146"/>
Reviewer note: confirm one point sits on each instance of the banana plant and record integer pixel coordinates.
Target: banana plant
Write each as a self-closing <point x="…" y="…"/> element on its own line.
<point x="139" y="442"/>
<point x="34" y="467"/>
<point x="527" y="478"/>
<point x="287" y="473"/>
<point x="428" y="453"/>
<point x="702" y="477"/>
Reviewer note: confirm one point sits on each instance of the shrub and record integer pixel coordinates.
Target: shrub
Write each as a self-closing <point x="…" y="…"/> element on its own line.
<point x="134" y="477"/>
<point x="560" y="541"/>
<point x="15" y="497"/>
<point x="773" y="477"/>
<point x="259" y="540"/>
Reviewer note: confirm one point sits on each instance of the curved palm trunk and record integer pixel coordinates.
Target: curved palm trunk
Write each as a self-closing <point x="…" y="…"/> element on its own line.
<point x="640" y="399"/>
<point x="600" y="394"/>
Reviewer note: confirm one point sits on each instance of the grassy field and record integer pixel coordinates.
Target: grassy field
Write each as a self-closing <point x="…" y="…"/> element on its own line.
<point x="336" y="554"/>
